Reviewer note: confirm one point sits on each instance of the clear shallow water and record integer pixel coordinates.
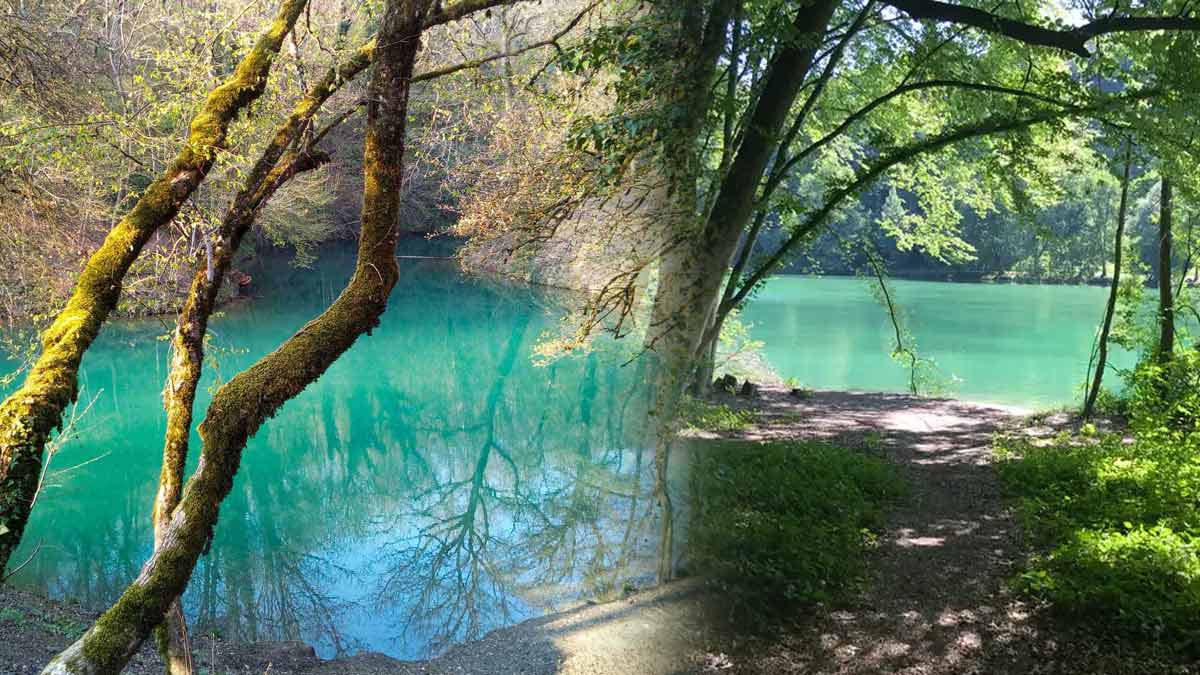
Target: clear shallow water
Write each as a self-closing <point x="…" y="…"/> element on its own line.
<point x="435" y="484"/>
<point x="1017" y="344"/>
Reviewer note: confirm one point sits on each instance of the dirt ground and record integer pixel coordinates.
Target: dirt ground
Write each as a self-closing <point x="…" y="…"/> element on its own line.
<point x="937" y="600"/>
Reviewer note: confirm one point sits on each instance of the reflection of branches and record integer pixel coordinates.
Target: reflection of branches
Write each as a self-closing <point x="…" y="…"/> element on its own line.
<point x="585" y="535"/>
<point x="285" y="596"/>
<point x="488" y="537"/>
<point x="448" y="569"/>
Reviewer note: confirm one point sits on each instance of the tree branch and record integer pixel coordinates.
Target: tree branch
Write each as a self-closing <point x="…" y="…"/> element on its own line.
<point x="460" y="9"/>
<point x="1073" y="40"/>
<point x="903" y="154"/>
<point x="476" y="63"/>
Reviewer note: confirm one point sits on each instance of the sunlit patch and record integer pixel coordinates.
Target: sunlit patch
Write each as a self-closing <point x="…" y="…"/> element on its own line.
<point x="914" y="542"/>
<point x="969" y="640"/>
<point x="890" y="649"/>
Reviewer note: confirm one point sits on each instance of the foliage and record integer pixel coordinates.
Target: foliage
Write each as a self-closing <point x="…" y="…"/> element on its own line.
<point x="701" y="415"/>
<point x="1164" y="399"/>
<point x="786" y="523"/>
<point x="1118" y="521"/>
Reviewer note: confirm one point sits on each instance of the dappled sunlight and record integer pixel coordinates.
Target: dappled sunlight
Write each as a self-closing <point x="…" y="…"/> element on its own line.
<point x="937" y="600"/>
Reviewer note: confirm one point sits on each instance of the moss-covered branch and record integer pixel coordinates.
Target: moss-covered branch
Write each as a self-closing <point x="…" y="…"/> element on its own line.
<point x="241" y="406"/>
<point x="274" y="167"/>
<point x="29" y="415"/>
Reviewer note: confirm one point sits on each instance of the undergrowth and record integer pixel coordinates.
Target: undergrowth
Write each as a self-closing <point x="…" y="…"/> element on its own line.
<point x="1117" y="520"/>
<point x="702" y="415"/>
<point x="783" y="524"/>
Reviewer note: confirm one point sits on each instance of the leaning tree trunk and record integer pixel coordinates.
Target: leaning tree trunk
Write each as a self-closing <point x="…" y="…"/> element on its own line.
<point x="1166" y="302"/>
<point x="1110" y="309"/>
<point x="241" y="406"/>
<point x="275" y="166"/>
<point x="712" y="333"/>
<point x="29" y="415"/>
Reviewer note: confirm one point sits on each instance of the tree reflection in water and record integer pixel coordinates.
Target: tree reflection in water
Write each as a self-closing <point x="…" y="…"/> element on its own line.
<point x="434" y="485"/>
<point x="523" y="529"/>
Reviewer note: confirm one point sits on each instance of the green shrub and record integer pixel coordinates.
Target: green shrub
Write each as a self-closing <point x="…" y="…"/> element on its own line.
<point x="1119" y="523"/>
<point x="705" y="416"/>
<point x="786" y="523"/>
<point x="1164" y="400"/>
<point x="1144" y="582"/>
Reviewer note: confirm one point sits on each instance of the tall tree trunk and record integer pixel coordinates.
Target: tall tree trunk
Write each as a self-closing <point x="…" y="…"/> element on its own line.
<point x="1110" y="309"/>
<point x="712" y="333"/>
<point x="692" y="91"/>
<point x="1166" y="301"/>
<point x="691" y="272"/>
<point x="241" y="406"/>
<point x="30" y="414"/>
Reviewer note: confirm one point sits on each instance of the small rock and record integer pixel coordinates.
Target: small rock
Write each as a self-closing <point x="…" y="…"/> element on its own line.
<point x="749" y="390"/>
<point x="726" y="383"/>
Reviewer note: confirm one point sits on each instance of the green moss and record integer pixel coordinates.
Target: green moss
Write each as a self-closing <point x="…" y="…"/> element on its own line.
<point x="30" y="414"/>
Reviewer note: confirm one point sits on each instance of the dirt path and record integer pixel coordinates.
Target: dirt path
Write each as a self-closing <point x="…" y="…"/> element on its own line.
<point x="937" y="600"/>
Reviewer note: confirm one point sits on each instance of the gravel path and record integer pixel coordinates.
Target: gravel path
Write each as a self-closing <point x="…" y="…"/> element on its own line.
<point x="936" y="600"/>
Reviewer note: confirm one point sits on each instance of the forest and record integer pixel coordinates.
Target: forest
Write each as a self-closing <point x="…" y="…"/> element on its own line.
<point x="599" y="336"/>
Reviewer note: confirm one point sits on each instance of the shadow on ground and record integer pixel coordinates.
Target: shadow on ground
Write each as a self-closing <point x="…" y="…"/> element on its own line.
<point x="936" y="601"/>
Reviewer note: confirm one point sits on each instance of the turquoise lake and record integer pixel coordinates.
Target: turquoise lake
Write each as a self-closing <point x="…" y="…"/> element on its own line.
<point x="439" y="481"/>
<point x="435" y="484"/>
<point x="1025" y="345"/>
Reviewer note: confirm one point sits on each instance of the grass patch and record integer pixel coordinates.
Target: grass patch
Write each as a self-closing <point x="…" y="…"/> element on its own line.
<point x="699" y="415"/>
<point x="1119" y="528"/>
<point x="783" y="524"/>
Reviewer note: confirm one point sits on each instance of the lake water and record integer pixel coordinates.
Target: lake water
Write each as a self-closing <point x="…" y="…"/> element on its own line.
<point x="1025" y="345"/>
<point x="435" y="484"/>
<point x="438" y="482"/>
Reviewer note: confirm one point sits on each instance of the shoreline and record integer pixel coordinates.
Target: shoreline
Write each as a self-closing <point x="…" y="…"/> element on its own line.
<point x="675" y="628"/>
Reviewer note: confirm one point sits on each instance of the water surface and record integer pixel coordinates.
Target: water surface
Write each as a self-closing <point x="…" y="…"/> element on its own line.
<point x="438" y="481"/>
<point x="434" y="484"/>
<point x="1025" y="345"/>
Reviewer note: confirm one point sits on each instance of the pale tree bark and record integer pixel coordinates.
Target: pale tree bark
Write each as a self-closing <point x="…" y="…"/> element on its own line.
<point x="691" y="272"/>
<point x="692" y="90"/>
<point x="29" y="415"/>
<point x="1110" y="309"/>
<point x="242" y="405"/>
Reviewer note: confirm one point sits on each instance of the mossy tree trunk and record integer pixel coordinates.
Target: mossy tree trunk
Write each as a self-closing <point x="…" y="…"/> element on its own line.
<point x="242" y="405"/>
<point x="1110" y="309"/>
<point x="30" y="415"/>
<point x="274" y="167"/>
